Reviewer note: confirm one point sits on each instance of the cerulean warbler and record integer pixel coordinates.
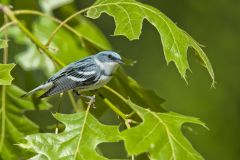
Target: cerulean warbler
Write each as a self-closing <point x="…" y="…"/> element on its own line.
<point x="86" y="74"/>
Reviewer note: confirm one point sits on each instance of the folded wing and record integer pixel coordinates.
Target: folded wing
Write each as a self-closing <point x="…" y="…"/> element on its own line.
<point x="81" y="74"/>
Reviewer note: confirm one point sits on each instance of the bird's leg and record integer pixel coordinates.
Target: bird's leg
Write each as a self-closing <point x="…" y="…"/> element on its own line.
<point x="84" y="96"/>
<point x="92" y="101"/>
<point x="76" y="93"/>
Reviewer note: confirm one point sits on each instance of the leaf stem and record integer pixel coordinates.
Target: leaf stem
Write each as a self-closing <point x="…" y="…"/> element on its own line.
<point x="6" y="26"/>
<point x="62" y="23"/>
<point x="115" y="109"/>
<point x="13" y="18"/>
<point x="116" y="93"/>
<point x="32" y="12"/>
<point x="3" y="104"/>
<point x="11" y="15"/>
<point x="3" y="109"/>
<point x="83" y="125"/>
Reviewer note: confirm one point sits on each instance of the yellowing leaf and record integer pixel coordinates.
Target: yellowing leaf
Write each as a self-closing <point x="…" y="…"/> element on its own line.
<point x="160" y="135"/>
<point x="5" y="76"/>
<point x="129" y="15"/>
<point x="78" y="141"/>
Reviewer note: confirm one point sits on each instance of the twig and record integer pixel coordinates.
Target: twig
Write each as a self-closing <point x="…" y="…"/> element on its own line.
<point x="13" y="18"/>
<point x="64" y="22"/>
<point x="11" y="15"/>
<point x="6" y="26"/>
<point x="116" y="93"/>
<point x="3" y="104"/>
<point x="115" y="109"/>
<point x="32" y="12"/>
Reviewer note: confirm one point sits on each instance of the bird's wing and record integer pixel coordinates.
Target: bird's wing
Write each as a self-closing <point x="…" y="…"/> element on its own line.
<point x="74" y="75"/>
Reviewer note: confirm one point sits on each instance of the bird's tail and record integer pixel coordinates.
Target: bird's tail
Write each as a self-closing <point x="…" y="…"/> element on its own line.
<point x="39" y="88"/>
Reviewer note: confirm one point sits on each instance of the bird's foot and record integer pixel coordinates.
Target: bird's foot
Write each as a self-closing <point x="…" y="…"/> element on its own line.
<point x="92" y="100"/>
<point x="76" y="93"/>
<point x="89" y="98"/>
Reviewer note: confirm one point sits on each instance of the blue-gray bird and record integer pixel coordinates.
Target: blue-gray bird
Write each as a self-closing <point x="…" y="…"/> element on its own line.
<point x="86" y="74"/>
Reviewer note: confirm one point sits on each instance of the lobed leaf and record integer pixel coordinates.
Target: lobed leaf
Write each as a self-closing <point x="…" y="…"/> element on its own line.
<point x="129" y="15"/>
<point x="5" y="75"/>
<point x="78" y="141"/>
<point x="160" y="135"/>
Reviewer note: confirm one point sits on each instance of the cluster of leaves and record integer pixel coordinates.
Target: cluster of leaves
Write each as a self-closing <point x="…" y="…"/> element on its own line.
<point x="156" y="134"/>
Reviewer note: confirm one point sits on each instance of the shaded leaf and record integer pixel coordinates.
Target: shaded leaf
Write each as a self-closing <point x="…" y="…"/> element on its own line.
<point x="5" y="76"/>
<point x="129" y="15"/>
<point x="78" y="141"/>
<point x="160" y="135"/>
<point x="16" y="124"/>
<point x="145" y="97"/>
<point x="92" y="34"/>
<point x="49" y="5"/>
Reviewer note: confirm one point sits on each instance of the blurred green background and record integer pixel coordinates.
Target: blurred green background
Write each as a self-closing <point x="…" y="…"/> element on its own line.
<point x="216" y="25"/>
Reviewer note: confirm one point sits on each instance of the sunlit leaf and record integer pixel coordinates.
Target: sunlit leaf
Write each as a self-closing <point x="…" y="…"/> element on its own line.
<point x="5" y="76"/>
<point x="16" y="125"/>
<point x="129" y="15"/>
<point x="160" y="135"/>
<point x="78" y="141"/>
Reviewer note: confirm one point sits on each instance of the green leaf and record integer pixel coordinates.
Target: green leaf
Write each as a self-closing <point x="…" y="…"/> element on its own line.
<point x="5" y="76"/>
<point x="78" y="141"/>
<point x="129" y="15"/>
<point x="3" y="43"/>
<point x="129" y="87"/>
<point x="92" y="34"/>
<point x="14" y="125"/>
<point x="160" y="135"/>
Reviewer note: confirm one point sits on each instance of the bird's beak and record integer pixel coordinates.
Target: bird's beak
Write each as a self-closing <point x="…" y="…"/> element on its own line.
<point x="120" y="61"/>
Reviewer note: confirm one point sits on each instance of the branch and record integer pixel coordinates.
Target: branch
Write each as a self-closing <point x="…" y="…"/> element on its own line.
<point x="32" y="12"/>
<point x="6" y="26"/>
<point x="13" y="18"/>
<point x="62" y="24"/>
<point x="3" y="104"/>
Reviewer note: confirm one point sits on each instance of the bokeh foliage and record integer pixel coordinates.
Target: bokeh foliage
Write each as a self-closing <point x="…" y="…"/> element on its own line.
<point x="90" y="49"/>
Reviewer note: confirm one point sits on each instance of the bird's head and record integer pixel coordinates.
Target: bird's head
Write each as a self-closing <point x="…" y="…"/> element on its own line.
<point x="109" y="57"/>
<point x="108" y="61"/>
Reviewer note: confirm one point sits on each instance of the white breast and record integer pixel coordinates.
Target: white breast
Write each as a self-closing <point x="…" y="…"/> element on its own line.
<point x="101" y="82"/>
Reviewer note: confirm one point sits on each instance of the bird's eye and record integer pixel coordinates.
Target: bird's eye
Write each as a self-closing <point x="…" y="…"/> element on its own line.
<point x="110" y="56"/>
